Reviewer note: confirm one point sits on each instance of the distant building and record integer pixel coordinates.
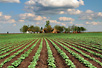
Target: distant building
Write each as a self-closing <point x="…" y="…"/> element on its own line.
<point x="54" y="31"/>
<point x="29" y="32"/>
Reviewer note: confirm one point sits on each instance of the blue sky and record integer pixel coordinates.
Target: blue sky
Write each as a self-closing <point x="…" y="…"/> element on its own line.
<point x="16" y="13"/>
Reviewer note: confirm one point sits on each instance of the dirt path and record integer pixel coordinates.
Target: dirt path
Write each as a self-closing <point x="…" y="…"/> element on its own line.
<point x="15" y="58"/>
<point x="91" y="61"/>
<point x="42" y="63"/>
<point x="85" y="47"/>
<point x="60" y="63"/>
<point x="96" y="57"/>
<point x="26" y="62"/>
<point x="72" y="58"/>
<point x="12" y="49"/>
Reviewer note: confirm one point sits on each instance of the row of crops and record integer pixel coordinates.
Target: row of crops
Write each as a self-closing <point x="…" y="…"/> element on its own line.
<point x="23" y="49"/>
<point x="72" y="51"/>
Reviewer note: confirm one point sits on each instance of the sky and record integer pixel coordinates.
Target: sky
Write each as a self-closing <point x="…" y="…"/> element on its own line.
<point x="16" y="13"/>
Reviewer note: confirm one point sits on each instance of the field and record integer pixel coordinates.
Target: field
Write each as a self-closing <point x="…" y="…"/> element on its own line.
<point x="82" y="50"/>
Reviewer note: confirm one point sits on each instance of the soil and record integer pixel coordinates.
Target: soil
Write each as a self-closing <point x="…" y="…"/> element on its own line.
<point x="72" y="58"/>
<point x="15" y="58"/>
<point x="42" y="62"/>
<point x="91" y="61"/>
<point x="60" y="63"/>
<point x="26" y="62"/>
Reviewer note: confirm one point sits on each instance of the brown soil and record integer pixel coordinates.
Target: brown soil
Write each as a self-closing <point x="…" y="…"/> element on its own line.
<point x="42" y="62"/>
<point x="85" y="47"/>
<point x="12" y="49"/>
<point x="91" y="61"/>
<point x="26" y="62"/>
<point x="14" y="44"/>
<point x="60" y="63"/>
<point x="96" y="57"/>
<point x="72" y="58"/>
<point x="15" y="58"/>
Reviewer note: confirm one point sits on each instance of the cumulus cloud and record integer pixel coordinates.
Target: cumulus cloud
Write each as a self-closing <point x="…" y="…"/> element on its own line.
<point x="55" y="21"/>
<point x="79" y="24"/>
<point x="99" y="14"/>
<point x="26" y="15"/>
<point x="61" y="12"/>
<point x="65" y="19"/>
<point x="31" y="17"/>
<point x="40" y="18"/>
<point x="30" y="2"/>
<point x="10" y="1"/>
<point x="93" y="23"/>
<point x="89" y="11"/>
<point x="6" y="18"/>
<point x="46" y="6"/>
<point x="0" y="13"/>
<point x="90" y="15"/>
<point x="71" y="12"/>
<point x="21" y="20"/>
<point x="14" y="24"/>
<point x="58" y="23"/>
<point x="74" y="11"/>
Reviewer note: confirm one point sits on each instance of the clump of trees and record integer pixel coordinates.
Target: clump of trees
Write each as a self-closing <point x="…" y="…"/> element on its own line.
<point x="49" y="29"/>
<point x="32" y="28"/>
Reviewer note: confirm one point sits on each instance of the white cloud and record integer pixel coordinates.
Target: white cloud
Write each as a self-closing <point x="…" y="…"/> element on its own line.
<point x="99" y="14"/>
<point x="60" y="3"/>
<point x="65" y="19"/>
<point x="26" y="15"/>
<point x="31" y="17"/>
<point x="54" y="21"/>
<point x="6" y="19"/>
<point x="46" y="6"/>
<point x="12" y="21"/>
<point x="79" y="24"/>
<point x="61" y="12"/>
<point x="21" y="20"/>
<point x="40" y="18"/>
<point x="30" y="2"/>
<point x="89" y="11"/>
<point x="14" y="24"/>
<point x="10" y="1"/>
<point x="0" y="13"/>
<point x="74" y="11"/>
<point x="63" y="24"/>
<point x="93" y="23"/>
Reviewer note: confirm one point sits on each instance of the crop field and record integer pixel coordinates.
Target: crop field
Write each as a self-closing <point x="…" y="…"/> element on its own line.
<point x="82" y="50"/>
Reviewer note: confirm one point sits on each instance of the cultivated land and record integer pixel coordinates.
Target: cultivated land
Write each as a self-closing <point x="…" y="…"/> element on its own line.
<point x="82" y="50"/>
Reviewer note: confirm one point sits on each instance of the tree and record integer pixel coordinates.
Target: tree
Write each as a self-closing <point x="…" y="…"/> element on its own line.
<point x="82" y="29"/>
<point x="24" y="28"/>
<point x="37" y="29"/>
<point x="48" y="28"/>
<point x="59" y="28"/>
<point x="41" y="28"/>
<point x="67" y="30"/>
<point x="74" y="28"/>
<point x="47" y="23"/>
<point x="31" y="28"/>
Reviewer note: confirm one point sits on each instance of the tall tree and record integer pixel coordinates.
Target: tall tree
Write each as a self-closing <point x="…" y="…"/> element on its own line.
<point x="31" y="28"/>
<point x="82" y="29"/>
<point x="37" y="29"/>
<point x="59" y="28"/>
<point x="24" y="28"/>
<point x="47" y="23"/>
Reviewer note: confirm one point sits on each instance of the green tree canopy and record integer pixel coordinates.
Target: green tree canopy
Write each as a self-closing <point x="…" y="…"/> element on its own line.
<point x="59" y="28"/>
<point x="24" y="28"/>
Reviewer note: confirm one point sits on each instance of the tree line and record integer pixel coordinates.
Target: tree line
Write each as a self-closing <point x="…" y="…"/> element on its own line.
<point x="48" y="29"/>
